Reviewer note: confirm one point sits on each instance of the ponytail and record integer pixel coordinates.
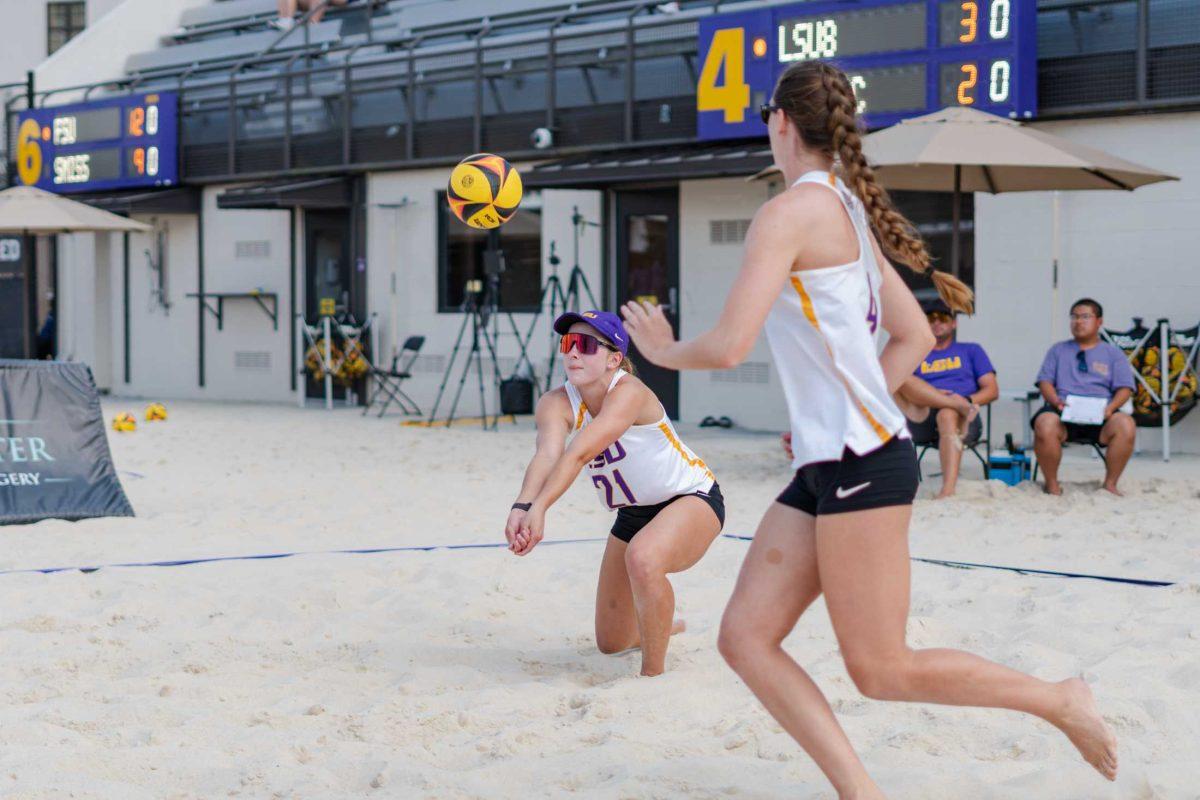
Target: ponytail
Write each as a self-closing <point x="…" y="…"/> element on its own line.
<point x="627" y="365"/>
<point x="833" y="126"/>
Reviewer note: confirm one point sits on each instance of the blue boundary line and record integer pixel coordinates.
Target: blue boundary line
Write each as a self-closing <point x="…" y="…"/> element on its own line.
<point x="185" y="562"/>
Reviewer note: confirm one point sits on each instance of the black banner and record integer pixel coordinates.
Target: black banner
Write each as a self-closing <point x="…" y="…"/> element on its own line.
<point x="12" y="297"/>
<point x="54" y="457"/>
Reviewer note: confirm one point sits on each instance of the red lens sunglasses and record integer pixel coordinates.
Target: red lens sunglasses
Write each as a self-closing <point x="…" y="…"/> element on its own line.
<point x="585" y="342"/>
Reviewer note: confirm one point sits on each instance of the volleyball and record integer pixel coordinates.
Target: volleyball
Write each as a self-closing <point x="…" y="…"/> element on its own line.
<point x="156" y="412"/>
<point x="124" y="422"/>
<point x="484" y="191"/>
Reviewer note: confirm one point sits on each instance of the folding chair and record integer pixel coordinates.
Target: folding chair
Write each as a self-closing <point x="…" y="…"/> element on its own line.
<point x="388" y="381"/>
<point x="984" y="440"/>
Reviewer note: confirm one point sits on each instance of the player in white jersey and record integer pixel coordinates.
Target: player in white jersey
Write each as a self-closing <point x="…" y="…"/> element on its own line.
<point x="669" y="507"/>
<point x="815" y="277"/>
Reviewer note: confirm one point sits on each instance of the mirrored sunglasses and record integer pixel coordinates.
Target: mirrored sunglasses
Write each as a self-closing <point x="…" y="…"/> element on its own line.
<point x="584" y="342"/>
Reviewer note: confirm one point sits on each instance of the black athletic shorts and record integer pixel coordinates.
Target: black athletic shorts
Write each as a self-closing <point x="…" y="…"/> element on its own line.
<point x="632" y="519"/>
<point x="883" y="477"/>
<point x="927" y="431"/>
<point x="1076" y="433"/>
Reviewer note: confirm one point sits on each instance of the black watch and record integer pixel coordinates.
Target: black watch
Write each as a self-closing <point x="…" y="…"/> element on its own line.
<point x="522" y="506"/>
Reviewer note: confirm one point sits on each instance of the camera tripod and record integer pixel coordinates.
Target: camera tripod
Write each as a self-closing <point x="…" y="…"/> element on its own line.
<point x="560" y="299"/>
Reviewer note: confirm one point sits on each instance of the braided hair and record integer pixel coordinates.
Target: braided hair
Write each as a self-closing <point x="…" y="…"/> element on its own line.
<point x="820" y="102"/>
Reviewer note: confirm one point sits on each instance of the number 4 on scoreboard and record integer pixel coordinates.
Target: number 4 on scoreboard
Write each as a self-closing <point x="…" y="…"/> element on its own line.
<point x="726" y="58"/>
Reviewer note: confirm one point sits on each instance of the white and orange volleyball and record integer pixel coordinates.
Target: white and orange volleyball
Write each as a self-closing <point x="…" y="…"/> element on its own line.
<point x="484" y="191"/>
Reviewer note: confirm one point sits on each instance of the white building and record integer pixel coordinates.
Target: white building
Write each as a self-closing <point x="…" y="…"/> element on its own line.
<point x="318" y="208"/>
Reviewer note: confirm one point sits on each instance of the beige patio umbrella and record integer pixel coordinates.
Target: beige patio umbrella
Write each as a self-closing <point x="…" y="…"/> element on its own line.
<point x="28" y="210"/>
<point x="960" y="149"/>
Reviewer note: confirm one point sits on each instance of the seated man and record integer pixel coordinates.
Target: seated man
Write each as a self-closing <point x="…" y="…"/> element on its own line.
<point x="954" y="380"/>
<point x="1084" y="366"/>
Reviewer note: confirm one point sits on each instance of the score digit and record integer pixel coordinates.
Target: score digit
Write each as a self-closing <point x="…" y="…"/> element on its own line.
<point x="29" y="152"/>
<point x="139" y="160"/>
<point x="151" y="161"/>
<point x="999" y="19"/>
<point x="151" y="120"/>
<point x="970" y="21"/>
<point x="728" y="48"/>
<point x="967" y="85"/>
<point x="137" y="121"/>
<point x="998" y="81"/>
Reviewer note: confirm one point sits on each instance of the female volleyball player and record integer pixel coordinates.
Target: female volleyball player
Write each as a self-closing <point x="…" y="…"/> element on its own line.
<point x="669" y="507"/>
<point x="814" y="275"/>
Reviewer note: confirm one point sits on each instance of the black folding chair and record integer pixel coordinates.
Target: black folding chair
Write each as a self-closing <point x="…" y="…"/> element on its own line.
<point x="984" y="440"/>
<point x="1099" y="448"/>
<point x="388" y="381"/>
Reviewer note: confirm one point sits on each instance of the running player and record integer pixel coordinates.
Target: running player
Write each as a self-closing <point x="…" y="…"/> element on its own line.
<point x="816" y="278"/>
<point x="669" y="507"/>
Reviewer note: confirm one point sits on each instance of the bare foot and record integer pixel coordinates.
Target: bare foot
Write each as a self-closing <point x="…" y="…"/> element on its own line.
<point x="944" y="494"/>
<point x="678" y="626"/>
<point x="1112" y="487"/>
<point x="1053" y="488"/>
<point x="1080" y="720"/>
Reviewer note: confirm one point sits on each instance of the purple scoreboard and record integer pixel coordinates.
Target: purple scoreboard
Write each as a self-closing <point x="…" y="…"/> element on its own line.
<point x="904" y="58"/>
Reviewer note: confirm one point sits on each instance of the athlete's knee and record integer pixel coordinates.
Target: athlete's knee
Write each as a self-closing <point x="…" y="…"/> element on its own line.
<point x="609" y="645"/>
<point x="643" y="563"/>
<point x="738" y="641"/>
<point x="881" y="677"/>
<point x="947" y="420"/>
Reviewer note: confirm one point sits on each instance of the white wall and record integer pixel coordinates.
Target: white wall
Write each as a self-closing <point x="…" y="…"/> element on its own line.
<point x="1133" y="252"/>
<point x="26" y="35"/>
<point x="404" y="241"/>
<point x="100" y="52"/>
<point x="750" y="395"/>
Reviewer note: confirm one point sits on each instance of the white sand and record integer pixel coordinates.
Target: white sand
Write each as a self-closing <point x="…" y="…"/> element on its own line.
<point x="472" y="673"/>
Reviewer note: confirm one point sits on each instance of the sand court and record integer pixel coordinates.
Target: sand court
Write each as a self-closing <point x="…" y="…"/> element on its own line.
<point x="474" y="674"/>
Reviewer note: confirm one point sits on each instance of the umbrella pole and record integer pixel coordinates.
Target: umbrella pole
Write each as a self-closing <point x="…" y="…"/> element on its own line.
<point x="956" y="218"/>
<point x="1054" y="257"/>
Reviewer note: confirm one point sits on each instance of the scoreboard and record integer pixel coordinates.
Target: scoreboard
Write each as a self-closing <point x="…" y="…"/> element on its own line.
<point x="903" y="57"/>
<point x="113" y="143"/>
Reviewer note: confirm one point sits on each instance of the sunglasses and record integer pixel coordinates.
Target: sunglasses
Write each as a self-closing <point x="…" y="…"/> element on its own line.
<point x="1081" y="361"/>
<point x="765" y="111"/>
<point x="584" y="342"/>
<point x="938" y="316"/>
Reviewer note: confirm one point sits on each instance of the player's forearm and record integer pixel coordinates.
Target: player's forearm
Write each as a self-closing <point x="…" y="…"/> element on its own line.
<point x="564" y="472"/>
<point x="535" y="477"/>
<point x="900" y="357"/>
<point x="714" y="349"/>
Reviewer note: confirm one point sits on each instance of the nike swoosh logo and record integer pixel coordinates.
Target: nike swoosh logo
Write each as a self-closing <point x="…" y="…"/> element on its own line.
<point x="842" y="494"/>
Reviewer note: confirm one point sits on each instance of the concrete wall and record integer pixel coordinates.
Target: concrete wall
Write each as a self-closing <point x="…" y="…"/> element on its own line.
<point x="116" y="29"/>
<point x="403" y="242"/>
<point x="1136" y="253"/>
<point x="25" y="42"/>
<point x="749" y="394"/>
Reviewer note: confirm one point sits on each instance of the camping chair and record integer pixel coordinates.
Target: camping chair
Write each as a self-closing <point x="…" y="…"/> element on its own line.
<point x="388" y="381"/>
<point x="984" y="440"/>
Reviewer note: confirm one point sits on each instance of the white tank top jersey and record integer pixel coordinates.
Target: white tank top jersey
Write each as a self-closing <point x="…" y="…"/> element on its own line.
<point x="647" y="465"/>
<point x="825" y="331"/>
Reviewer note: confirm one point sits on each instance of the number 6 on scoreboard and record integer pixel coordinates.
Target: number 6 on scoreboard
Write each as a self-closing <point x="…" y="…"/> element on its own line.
<point x="728" y="48"/>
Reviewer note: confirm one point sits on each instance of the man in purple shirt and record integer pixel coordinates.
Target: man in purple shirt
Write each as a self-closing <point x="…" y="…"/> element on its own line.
<point x="953" y="381"/>
<point x="1084" y="366"/>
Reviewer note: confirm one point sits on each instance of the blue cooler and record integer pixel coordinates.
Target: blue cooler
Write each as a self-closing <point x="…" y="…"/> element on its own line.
<point x="1012" y="468"/>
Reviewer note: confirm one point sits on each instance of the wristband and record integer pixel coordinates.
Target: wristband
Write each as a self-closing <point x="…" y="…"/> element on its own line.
<point x="522" y="506"/>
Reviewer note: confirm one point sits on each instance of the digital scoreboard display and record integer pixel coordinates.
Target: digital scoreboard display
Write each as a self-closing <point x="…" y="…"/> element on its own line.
<point x="113" y="143"/>
<point x="904" y="58"/>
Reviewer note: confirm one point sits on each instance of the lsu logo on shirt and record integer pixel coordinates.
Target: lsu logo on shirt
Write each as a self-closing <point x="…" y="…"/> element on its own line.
<point x="941" y="365"/>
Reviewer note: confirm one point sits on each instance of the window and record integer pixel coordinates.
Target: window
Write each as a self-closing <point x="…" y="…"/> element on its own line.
<point x="63" y="22"/>
<point x="461" y="257"/>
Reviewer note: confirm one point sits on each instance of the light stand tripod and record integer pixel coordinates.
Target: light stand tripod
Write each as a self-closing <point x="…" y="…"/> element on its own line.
<point x="561" y="300"/>
<point x="480" y="305"/>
